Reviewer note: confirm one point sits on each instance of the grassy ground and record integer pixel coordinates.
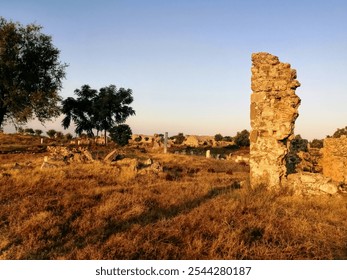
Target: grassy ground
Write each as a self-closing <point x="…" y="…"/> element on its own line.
<point x="194" y="209"/>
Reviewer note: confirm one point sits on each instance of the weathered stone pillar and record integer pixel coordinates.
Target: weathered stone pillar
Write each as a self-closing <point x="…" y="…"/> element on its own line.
<point x="274" y="109"/>
<point x="166" y="136"/>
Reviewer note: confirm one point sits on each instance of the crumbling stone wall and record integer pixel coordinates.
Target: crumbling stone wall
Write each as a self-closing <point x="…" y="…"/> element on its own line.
<point x="274" y="109"/>
<point x="334" y="159"/>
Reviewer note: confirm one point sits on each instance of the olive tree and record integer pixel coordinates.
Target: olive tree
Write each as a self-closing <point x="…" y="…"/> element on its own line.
<point x="30" y="74"/>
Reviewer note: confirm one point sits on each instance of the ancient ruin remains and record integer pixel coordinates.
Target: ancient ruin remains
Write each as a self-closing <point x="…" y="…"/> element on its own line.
<point x="274" y="109"/>
<point x="334" y="160"/>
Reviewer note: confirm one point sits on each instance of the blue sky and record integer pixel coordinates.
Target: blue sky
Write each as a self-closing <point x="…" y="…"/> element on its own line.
<point x="188" y="62"/>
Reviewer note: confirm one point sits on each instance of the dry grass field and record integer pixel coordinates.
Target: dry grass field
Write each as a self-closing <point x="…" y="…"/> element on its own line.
<point x="195" y="208"/>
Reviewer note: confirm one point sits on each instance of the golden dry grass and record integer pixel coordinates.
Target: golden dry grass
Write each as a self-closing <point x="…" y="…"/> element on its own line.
<point x="195" y="209"/>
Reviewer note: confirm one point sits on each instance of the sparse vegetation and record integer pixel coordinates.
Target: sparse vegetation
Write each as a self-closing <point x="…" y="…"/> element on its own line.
<point x="51" y="133"/>
<point x="339" y="132"/>
<point x="29" y="131"/>
<point x="38" y="132"/>
<point x="227" y="139"/>
<point x="194" y="209"/>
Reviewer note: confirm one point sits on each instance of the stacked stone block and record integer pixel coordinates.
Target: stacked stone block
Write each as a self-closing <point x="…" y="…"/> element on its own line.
<point x="274" y="109"/>
<point x="334" y="160"/>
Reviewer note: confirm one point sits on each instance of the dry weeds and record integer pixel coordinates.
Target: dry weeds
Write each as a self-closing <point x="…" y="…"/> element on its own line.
<point x="195" y="209"/>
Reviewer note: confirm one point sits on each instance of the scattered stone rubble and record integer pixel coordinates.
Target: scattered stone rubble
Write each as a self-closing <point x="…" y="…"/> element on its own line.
<point x="69" y="155"/>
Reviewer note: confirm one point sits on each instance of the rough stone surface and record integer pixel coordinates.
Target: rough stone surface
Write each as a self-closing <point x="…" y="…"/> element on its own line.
<point x="311" y="184"/>
<point x="192" y="141"/>
<point x="114" y="155"/>
<point x="334" y="159"/>
<point x="274" y="109"/>
<point x="67" y="155"/>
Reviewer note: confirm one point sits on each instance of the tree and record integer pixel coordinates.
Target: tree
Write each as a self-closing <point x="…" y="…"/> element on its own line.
<point x="121" y="134"/>
<point x="59" y="135"/>
<point x="38" y="132"/>
<point x="227" y="139"/>
<point x="68" y="136"/>
<point x="80" y="110"/>
<point x="179" y="138"/>
<point x="339" y="132"/>
<point x="30" y="74"/>
<point x="101" y="110"/>
<point x="51" y="133"/>
<point x="218" y="137"/>
<point x="111" y="107"/>
<point x="29" y="131"/>
<point x="242" y="138"/>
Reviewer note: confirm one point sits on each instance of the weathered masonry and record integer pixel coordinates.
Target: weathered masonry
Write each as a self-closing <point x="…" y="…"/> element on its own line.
<point x="335" y="159"/>
<point x="274" y="109"/>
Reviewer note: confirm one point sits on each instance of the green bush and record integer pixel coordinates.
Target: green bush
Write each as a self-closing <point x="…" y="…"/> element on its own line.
<point x="218" y="137"/>
<point x="242" y="138"/>
<point x="121" y="134"/>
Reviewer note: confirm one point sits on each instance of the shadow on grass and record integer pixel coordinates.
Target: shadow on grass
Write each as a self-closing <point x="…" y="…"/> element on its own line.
<point x="156" y="213"/>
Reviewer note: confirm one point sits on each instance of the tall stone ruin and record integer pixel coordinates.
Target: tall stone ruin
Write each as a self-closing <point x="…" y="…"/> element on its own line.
<point x="274" y="109"/>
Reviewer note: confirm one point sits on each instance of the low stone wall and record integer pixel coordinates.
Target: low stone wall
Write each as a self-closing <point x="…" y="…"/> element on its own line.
<point x="334" y="160"/>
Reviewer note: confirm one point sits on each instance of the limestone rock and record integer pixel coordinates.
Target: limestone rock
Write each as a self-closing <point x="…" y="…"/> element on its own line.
<point x="113" y="156"/>
<point x="311" y="183"/>
<point x="334" y="159"/>
<point x="67" y="154"/>
<point x="191" y="141"/>
<point x="46" y="164"/>
<point x="274" y="109"/>
<point x="128" y="168"/>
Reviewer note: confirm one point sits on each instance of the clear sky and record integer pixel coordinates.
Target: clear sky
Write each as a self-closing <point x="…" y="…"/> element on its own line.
<point x="188" y="61"/>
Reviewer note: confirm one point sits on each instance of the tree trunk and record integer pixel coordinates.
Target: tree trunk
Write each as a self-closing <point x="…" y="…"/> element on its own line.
<point x="2" y="116"/>
<point x="105" y="138"/>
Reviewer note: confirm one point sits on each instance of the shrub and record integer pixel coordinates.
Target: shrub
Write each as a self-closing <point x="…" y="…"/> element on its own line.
<point x="316" y="143"/>
<point x="227" y="139"/>
<point x="29" y="131"/>
<point x="59" y="135"/>
<point x="179" y="138"/>
<point x="51" y="133"/>
<point x="121" y="134"/>
<point x="339" y="132"/>
<point x="242" y="138"/>
<point x="218" y="137"/>
<point x="38" y="132"/>
<point x="68" y="136"/>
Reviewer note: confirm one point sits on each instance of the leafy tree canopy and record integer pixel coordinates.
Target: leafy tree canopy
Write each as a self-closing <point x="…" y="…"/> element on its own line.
<point x="100" y="110"/>
<point x="218" y="137"/>
<point x="30" y="74"/>
<point x="242" y="138"/>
